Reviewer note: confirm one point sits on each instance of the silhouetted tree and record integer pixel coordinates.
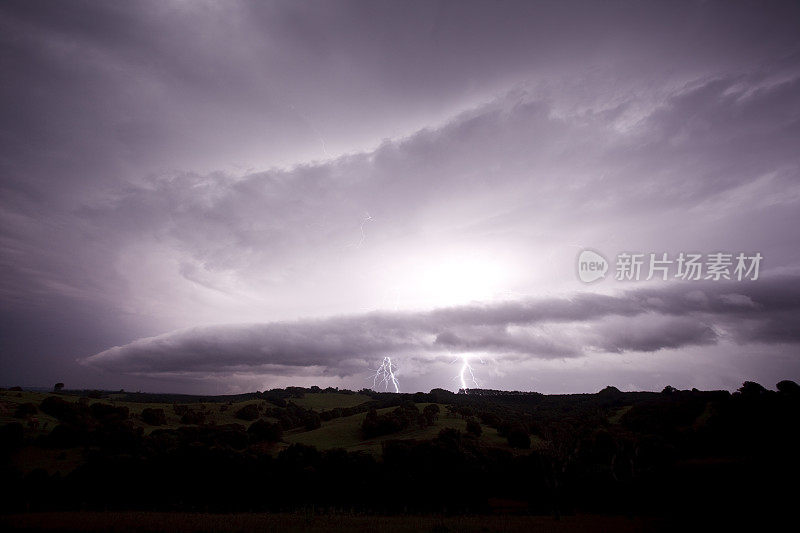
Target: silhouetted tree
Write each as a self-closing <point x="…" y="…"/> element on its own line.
<point x="312" y="421"/>
<point x="465" y="412"/>
<point x="474" y="427"/>
<point x="789" y="387"/>
<point x="261" y="430"/>
<point x="751" y="388"/>
<point x="375" y="424"/>
<point x="490" y="419"/>
<point x="610" y="392"/>
<point x="519" y="438"/>
<point x="58" y="387"/>
<point x="450" y="436"/>
<point x="430" y="413"/>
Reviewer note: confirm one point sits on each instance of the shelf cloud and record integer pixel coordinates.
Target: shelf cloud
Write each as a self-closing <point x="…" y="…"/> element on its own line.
<point x="643" y="320"/>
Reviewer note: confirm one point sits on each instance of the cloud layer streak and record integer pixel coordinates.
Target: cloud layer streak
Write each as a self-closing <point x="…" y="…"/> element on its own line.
<point x="643" y="320"/>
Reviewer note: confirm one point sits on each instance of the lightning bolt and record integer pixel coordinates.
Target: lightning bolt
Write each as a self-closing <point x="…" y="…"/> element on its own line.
<point x="385" y="375"/>
<point x="313" y="129"/>
<point x="364" y="220"/>
<point x="467" y="374"/>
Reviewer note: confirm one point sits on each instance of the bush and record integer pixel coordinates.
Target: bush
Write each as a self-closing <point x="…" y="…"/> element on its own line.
<point x="62" y="409"/>
<point x="519" y="438"/>
<point x="248" y="412"/>
<point x="504" y="428"/>
<point x="490" y="419"/>
<point x="154" y="417"/>
<point x="24" y="410"/>
<point x="474" y="428"/>
<point x="312" y="421"/>
<point x="376" y="425"/>
<point x="107" y="413"/>
<point x="450" y="436"/>
<point x="261" y="431"/>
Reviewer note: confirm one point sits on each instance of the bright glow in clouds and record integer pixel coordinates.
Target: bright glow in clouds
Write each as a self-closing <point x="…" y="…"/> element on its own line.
<point x="448" y="279"/>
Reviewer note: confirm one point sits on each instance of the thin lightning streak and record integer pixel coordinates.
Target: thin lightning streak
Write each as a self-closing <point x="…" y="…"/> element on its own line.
<point x="385" y="375"/>
<point x="360" y="243"/>
<point x="366" y="219"/>
<point x="313" y="129"/>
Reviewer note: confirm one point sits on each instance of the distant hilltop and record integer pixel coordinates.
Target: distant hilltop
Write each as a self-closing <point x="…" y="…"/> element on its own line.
<point x="495" y="392"/>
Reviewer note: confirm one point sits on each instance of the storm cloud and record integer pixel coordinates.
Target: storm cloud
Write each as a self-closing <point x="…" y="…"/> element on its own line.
<point x="635" y="321"/>
<point x="296" y="190"/>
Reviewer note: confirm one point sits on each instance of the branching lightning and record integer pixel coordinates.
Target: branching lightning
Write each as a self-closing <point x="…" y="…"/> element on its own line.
<point x="467" y="374"/>
<point x="385" y="375"/>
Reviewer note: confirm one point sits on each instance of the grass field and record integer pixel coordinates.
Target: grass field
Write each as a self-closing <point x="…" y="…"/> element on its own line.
<point x="215" y="412"/>
<point x="345" y="433"/>
<point x="328" y="400"/>
<point x="130" y="522"/>
<point x="617" y="416"/>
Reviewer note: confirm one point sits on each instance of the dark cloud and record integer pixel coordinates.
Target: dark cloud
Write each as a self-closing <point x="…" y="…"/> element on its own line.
<point x="652" y="333"/>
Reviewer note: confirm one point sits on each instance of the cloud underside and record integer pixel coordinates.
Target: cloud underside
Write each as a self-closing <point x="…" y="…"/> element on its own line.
<point x="642" y="320"/>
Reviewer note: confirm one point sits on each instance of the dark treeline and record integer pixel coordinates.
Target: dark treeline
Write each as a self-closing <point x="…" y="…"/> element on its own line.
<point x="611" y="452"/>
<point x="155" y="397"/>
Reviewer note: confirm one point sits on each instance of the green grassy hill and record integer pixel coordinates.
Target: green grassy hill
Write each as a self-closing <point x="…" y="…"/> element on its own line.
<point x="215" y="413"/>
<point x="345" y="433"/>
<point x="329" y="400"/>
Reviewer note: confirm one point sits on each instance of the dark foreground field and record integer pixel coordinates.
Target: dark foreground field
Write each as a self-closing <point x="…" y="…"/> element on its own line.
<point x="329" y="460"/>
<point x="285" y="522"/>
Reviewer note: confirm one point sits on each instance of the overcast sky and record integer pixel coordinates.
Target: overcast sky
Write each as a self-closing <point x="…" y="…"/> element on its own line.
<point x="230" y="196"/>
